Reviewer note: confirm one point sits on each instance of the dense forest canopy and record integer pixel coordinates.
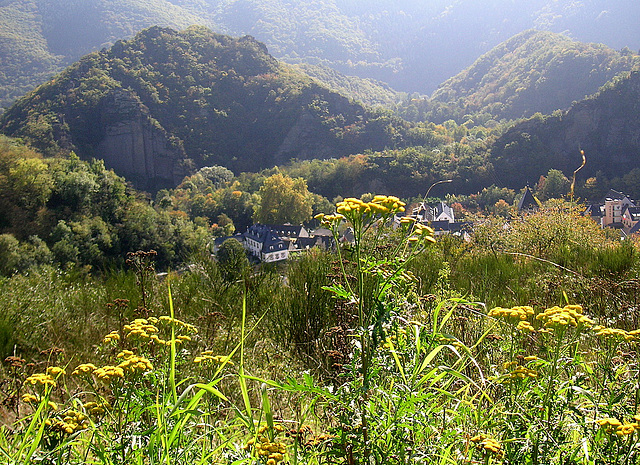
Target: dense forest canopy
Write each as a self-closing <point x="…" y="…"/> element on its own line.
<point x="70" y="212"/>
<point x="605" y="126"/>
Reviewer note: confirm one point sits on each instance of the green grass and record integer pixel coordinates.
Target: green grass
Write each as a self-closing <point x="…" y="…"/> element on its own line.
<point x="379" y="355"/>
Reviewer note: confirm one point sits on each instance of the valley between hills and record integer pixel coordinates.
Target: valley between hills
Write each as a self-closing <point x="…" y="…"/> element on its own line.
<point x="284" y="232"/>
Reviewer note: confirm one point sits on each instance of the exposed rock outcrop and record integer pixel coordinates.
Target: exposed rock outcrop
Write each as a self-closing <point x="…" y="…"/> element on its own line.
<point x="136" y="146"/>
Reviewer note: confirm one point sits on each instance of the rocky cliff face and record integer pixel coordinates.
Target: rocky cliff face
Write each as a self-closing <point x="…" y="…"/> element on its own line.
<point x="302" y="141"/>
<point x="136" y="146"/>
<point x="606" y="127"/>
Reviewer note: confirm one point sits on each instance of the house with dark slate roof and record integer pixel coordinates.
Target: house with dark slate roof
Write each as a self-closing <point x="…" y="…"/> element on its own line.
<point x="265" y="244"/>
<point x="288" y="230"/>
<point x="617" y="211"/>
<point x="614" y="204"/>
<point x="426" y="213"/>
<point x="272" y="243"/>
<point x="441" y="218"/>
<point x="302" y="244"/>
<point x="630" y="217"/>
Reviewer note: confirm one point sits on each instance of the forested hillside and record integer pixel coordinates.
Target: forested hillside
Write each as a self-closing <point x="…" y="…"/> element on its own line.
<point x="412" y="45"/>
<point x="531" y="72"/>
<point x="152" y="106"/>
<point x="68" y="212"/>
<point x="606" y="126"/>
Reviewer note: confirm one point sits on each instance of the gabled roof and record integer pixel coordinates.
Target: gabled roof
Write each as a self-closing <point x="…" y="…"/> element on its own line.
<point x="443" y="208"/>
<point x="322" y="232"/>
<point x="528" y="201"/>
<point x="635" y="229"/>
<point x="633" y="213"/>
<point x="614" y="195"/>
<point x="348" y="236"/>
<point x="288" y="230"/>
<point x="594" y="210"/>
<point x="270" y="241"/>
<point x="303" y="243"/>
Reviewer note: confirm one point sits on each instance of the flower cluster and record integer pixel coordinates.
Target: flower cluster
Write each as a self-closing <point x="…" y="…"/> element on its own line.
<point x="488" y="445"/>
<point x="380" y="205"/>
<point x="178" y="323"/>
<point x="554" y="318"/>
<point x="112" y="336"/>
<point x="357" y="211"/>
<point x="140" y="328"/>
<point x="71" y="422"/>
<point x="167" y="342"/>
<point x="84" y="369"/>
<point x="55" y="371"/>
<point x="95" y="408"/>
<point x="525" y="326"/>
<point x="272" y="451"/>
<point x="420" y="232"/>
<point x="40" y="379"/>
<point x="109" y="373"/>
<point x="329" y="220"/>
<point x="513" y="315"/>
<point x="132" y="363"/>
<point x="559" y="318"/>
<point x="615" y="333"/>
<point x="31" y="399"/>
<point x="406" y="221"/>
<point x="522" y="372"/>
<point x="207" y="356"/>
<point x="614" y="426"/>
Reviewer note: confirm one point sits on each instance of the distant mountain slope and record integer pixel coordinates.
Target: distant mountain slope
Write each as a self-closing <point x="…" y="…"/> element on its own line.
<point x="152" y="105"/>
<point x="38" y="38"/>
<point x="532" y="72"/>
<point x="606" y="127"/>
<point x="25" y="57"/>
<point x="413" y="45"/>
<point x="465" y="29"/>
<point x="367" y="91"/>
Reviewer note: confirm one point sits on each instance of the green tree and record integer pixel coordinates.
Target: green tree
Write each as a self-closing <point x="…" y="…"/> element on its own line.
<point x="283" y="200"/>
<point x="554" y="185"/>
<point x="232" y="260"/>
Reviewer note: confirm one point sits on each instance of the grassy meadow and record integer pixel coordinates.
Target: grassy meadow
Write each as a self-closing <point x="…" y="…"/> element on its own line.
<point x="518" y="347"/>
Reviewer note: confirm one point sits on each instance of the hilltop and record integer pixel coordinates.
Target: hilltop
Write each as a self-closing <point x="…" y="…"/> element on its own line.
<point x="532" y="72"/>
<point x="165" y="101"/>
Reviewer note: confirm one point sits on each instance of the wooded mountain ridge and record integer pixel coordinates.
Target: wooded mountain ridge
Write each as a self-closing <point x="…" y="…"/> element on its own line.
<point x="533" y="72"/>
<point x="412" y="45"/>
<point x="606" y="126"/>
<point x="153" y="105"/>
